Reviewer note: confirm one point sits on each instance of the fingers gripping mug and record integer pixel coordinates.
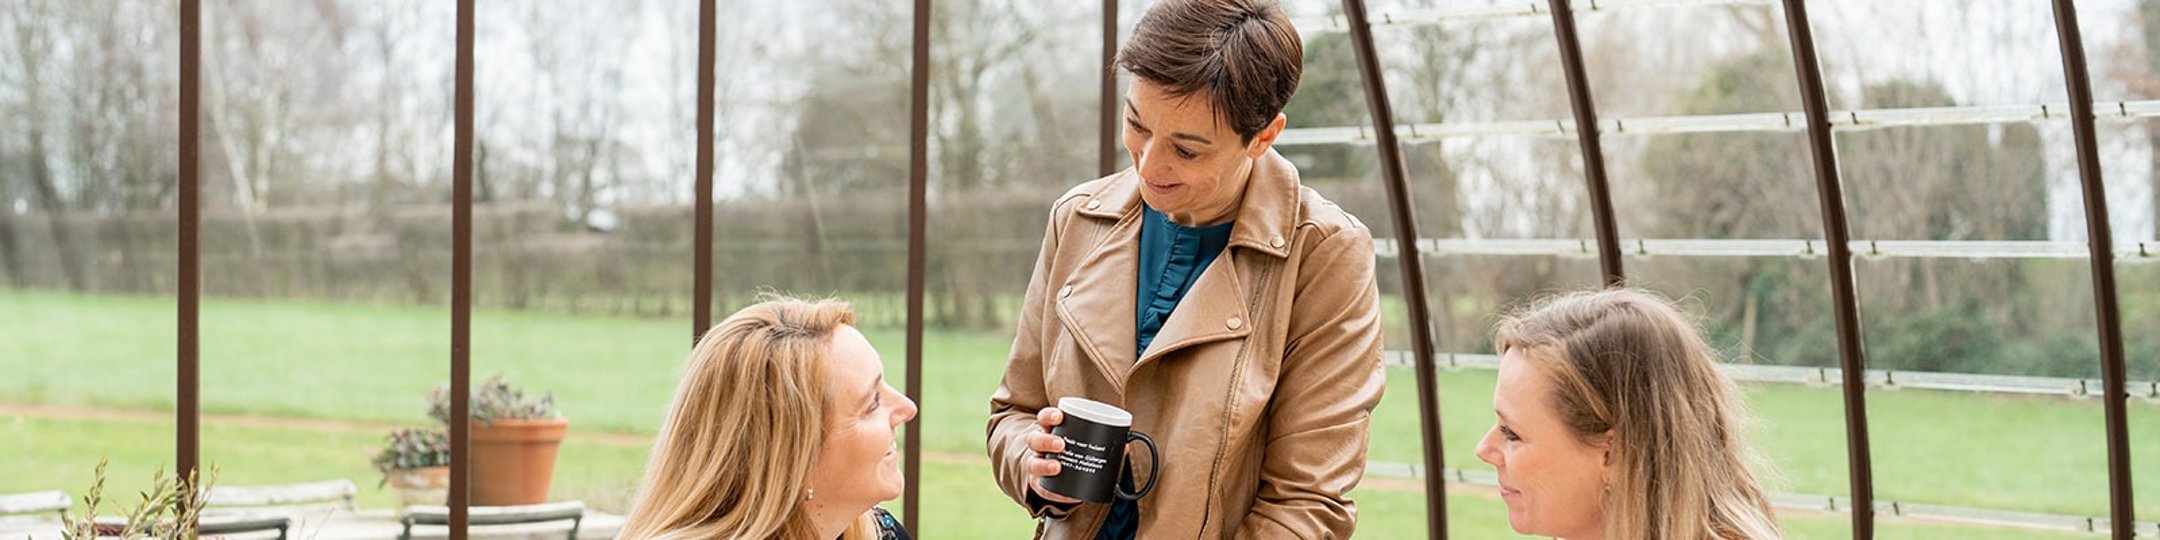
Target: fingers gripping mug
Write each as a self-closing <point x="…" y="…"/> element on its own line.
<point x="1095" y="436"/>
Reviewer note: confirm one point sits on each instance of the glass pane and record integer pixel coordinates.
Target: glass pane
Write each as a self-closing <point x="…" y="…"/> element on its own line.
<point x="2119" y="40"/>
<point x="1474" y="191"/>
<point x="1719" y="186"/>
<point x="1381" y="10"/>
<point x="2016" y="317"/>
<point x="583" y="182"/>
<point x="1024" y="131"/>
<point x="1498" y="188"/>
<point x="324" y="244"/>
<point x="1967" y="182"/>
<point x="1697" y="61"/>
<point x="2130" y="169"/>
<point x="1938" y="53"/>
<point x="1465" y="70"/>
<point x="2139" y="286"/>
<point x="88" y="120"/>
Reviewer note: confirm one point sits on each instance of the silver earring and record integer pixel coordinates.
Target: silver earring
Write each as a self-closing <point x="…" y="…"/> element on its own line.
<point x="812" y="494"/>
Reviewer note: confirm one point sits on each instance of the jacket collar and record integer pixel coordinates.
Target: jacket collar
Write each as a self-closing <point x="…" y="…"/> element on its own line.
<point x="1265" y="218"/>
<point x="1096" y="303"/>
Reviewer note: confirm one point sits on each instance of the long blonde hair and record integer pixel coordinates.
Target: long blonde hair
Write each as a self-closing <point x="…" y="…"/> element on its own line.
<point x="1627" y="361"/>
<point x="735" y="452"/>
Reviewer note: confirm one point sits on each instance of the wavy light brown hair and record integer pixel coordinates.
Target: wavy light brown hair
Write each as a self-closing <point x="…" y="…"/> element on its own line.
<point x="1628" y="361"/>
<point x="1243" y="55"/>
<point x="744" y="430"/>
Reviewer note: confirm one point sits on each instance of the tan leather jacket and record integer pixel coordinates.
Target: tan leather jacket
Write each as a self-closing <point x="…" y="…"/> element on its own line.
<point x="1258" y="389"/>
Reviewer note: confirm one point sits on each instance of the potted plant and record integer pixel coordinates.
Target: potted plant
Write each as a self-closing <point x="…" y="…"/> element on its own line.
<point x="416" y="463"/>
<point x="514" y="441"/>
<point x="169" y="510"/>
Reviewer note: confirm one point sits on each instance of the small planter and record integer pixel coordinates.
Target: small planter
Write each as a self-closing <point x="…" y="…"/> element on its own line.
<point x="513" y="461"/>
<point x="423" y="486"/>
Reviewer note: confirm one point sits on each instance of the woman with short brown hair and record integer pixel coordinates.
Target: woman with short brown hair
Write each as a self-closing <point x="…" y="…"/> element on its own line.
<point x="1230" y="308"/>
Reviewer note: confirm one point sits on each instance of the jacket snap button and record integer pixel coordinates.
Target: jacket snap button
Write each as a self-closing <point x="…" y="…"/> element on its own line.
<point x="1234" y="323"/>
<point x="1277" y="242"/>
<point x="1094" y="205"/>
<point x="1067" y="291"/>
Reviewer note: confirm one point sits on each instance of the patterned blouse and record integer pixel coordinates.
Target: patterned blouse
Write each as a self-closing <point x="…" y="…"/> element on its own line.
<point x="889" y="528"/>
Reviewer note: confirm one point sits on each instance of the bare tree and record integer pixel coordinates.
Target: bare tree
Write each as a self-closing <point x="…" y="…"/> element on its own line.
<point x="34" y="26"/>
<point x="2148" y="83"/>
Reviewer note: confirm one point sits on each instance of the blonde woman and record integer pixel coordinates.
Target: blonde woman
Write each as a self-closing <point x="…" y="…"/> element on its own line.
<point x="1615" y="423"/>
<point x="783" y="428"/>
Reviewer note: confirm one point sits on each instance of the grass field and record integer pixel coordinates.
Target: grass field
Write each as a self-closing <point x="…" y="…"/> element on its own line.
<point x="299" y="391"/>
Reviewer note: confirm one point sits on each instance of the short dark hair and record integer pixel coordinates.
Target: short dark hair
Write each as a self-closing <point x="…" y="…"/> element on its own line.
<point x="1242" y="53"/>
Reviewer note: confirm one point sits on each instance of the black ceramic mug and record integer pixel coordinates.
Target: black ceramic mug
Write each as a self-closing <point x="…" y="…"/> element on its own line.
<point x="1095" y="436"/>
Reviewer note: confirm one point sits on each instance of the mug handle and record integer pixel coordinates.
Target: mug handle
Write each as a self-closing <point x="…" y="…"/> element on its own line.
<point x="1154" y="467"/>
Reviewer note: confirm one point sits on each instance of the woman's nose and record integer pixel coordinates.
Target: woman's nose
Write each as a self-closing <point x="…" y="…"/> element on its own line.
<point x="907" y="411"/>
<point x="1487" y="451"/>
<point x="1151" y="169"/>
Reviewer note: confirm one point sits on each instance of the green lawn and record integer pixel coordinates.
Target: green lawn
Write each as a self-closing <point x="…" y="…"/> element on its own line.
<point x="351" y="368"/>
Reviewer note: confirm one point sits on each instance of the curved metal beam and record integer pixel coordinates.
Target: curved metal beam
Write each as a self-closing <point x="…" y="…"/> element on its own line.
<point x="461" y="280"/>
<point x="1837" y="238"/>
<point x="1106" y="160"/>
<point x="1413" y="266"/>
<point x="1586" y="135"/>
<point x="702" y="238"/>
<point x="2121" y="515"/>
<point x="187" y="410"/>
<point x="918" y="209"/>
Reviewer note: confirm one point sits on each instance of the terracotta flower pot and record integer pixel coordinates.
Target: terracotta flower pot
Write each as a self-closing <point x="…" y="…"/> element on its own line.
<point x="422" y="486"/>
<point x="514" y="460"/>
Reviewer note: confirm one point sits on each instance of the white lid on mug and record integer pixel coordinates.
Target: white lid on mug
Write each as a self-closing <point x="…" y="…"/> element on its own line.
<point x="1095" y="411"/>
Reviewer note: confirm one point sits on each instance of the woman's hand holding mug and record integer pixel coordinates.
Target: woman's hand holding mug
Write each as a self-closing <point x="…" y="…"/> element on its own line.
<point x="1086" y="457"/>
<point x="1046" y="447"/>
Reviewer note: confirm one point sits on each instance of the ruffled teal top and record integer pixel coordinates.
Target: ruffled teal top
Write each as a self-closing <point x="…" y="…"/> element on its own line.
<point x="1171" y="259"/>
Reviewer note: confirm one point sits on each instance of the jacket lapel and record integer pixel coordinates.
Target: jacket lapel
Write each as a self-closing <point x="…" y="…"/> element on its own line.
<point x="1216" y="307"/>
<point x="1214" y="310"/>
<point x="1096" y="303"/>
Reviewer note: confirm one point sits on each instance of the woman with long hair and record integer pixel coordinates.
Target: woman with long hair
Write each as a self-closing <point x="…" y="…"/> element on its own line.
<point x="782" y="427"/>
<point x="1615" y="423"/>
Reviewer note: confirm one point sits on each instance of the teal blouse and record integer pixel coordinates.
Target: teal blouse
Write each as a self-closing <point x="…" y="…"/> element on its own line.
<point x="1171" y="259"/>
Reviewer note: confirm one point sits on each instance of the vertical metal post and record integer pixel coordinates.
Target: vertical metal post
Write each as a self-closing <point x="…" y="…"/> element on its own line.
<point x="702" y="238"/>
<point x="1413" y="264"/>
<point x="187" y="406"/>
<point x="1835" y="234"/>
<point x="918" y="209"/>
<point x="2121" y="514"/>
<point x="461" y="280"/>
<point x="1107" y="158"/>
<point x="1593" y="150"/>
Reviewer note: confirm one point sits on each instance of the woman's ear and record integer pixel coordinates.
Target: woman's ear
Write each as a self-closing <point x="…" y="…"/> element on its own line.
<point x="1266" y="137"/>
<point x="1606" y="462"/>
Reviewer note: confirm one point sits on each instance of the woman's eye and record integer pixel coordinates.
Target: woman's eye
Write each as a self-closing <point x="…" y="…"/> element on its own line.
<point x="1187" y="154"/>
<point x="1509" y="434"/>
